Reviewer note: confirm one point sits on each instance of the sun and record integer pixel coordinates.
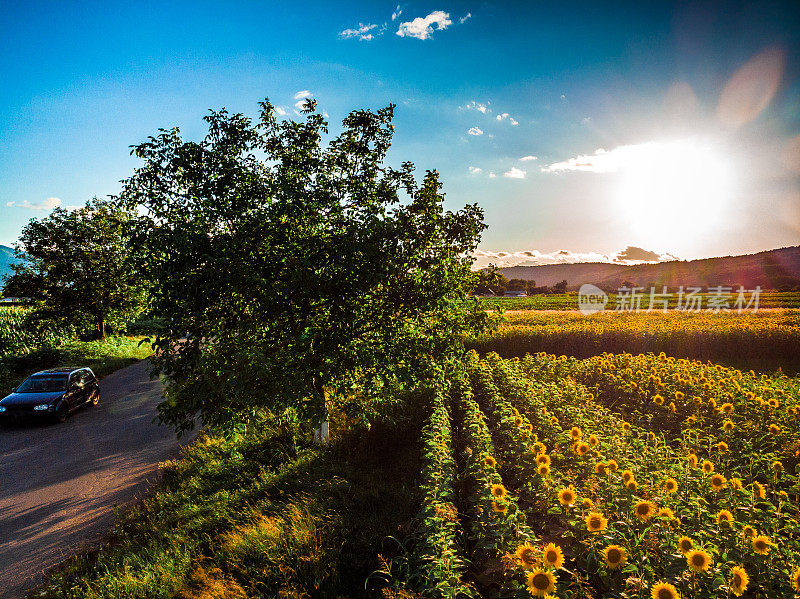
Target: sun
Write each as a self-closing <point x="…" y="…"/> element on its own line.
<point x="673" y="192"/>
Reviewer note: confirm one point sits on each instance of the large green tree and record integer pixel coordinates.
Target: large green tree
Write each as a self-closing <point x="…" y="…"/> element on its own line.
<point x="289" y="267"/>
<point x="74" y="267"/>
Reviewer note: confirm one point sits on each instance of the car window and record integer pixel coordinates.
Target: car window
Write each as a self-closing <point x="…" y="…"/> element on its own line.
<point x="88" y="376"/>
<point x="76" y="379"/>
<point x="43" y="384"/>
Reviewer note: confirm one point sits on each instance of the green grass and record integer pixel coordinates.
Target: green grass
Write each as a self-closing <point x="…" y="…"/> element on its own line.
<point x="265" y="515"/>
<point x="103" y="357"/>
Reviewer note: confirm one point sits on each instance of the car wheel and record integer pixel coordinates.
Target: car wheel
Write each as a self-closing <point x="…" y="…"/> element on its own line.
<point x="95" y="397"/>
<point x="62" y="412"/>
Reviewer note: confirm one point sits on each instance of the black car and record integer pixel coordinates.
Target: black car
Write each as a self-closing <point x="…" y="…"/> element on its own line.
<point x="52" y="394"/>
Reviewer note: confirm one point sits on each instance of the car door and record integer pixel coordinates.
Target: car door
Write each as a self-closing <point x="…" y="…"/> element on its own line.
<point x="91" y="385"/>
<point x="75" y="390"/>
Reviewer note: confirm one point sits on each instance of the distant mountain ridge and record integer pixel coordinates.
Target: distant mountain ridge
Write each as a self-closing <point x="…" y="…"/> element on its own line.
<point x="772" y="269"/>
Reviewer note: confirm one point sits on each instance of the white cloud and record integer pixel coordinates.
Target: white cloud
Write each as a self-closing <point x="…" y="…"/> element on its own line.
<point x="280" y="111"/>
<point x="492" y="175"/>
<point x="483" y="108"/>
<point x="362" y="33"/>
<point x="300" y="105"/>
<point x="513" y="121"/>
<point x="586" y="120"/>
<point x="303" y="94"/>
<point x="514" y="173"/>
<point x="474" y="170"/>
<point x="397" y="12"/>
<point x="504" y="116"/>
<point x="538" y="258"/>
<point x="621" y="157"/>
<point x="47" y="204"/>
<point x="475" y="131"/>
<point x="563" y="97"/>
<point x="528" y="158"/>
<point x="464" y="18"/>
<point x="421" y="28"/>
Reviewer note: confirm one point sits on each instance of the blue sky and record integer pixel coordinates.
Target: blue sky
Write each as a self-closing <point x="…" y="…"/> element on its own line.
<point x="654" y="86"/>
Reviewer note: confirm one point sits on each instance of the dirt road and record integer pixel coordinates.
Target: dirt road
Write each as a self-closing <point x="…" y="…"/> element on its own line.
<point x="59" y="483"/>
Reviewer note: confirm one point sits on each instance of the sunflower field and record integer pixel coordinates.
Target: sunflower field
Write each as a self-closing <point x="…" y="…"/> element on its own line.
<point x="625" y="476"/>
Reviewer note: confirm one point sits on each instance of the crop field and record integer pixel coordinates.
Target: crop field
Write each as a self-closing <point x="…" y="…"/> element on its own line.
<point x="569" y="301"/>
<point x="616" y="476"/>
<point x="763" y="340"/>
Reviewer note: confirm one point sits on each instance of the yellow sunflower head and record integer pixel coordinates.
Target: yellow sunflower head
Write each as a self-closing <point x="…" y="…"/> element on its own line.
<point x="612" y="465"/>
<point x="749" y="531"/>
<point x="518" y="421"/>
<point x="626" y="426"/>
<point x="627" y="475"/>
<point x="540" y="582"/>
<point x="727" y="408"/>
<point x="670" y="485"/>
<point x="567" y="496"/>
<point x="552" y="556"/>
<point x="728" y="425"/>
<point x="529" y="428"/>
<point x="553" y="420"/>
<point x="596" y="522"/>
<point x="498" y="491"/>
<point x="499" y="507"/>
<point x="658" y="400"/>
<point x="697" y="400"/>
<point x="664" y="590"/>
<point x="575" y="432"/>
<point x="722" y="447"/>
<point x="692" y="460"/>
<point x="600" y="468"/>
<point x="796" y="580"/>
<point x="739" y="580"/>
<point x="698" y="560"/>
<point x="667" y="513"/>
<point x="615" y="556"/>
<point x="489" y="461"/>
<point x="543" y="458"/>
<point x="538" y="447"/>
<point x="587" y="503"/>
<point x="644" y="510"/>
<point x="708" y="467"/>
<point x="777" y="466"/>
<point x="594" y="441"/>
<point x="543" y="470"/>
<point x="718" y="482"/>
<point x="685" y="544"/>
<point x="761" y="544"/>
<point x="774" y="429"/>
<point x="631" y="484"/>
<point x="724" y="517"/>
<point x="679" y="395"/>
<point x="526" y="555"/>
<point x="759" y="491"/>
<point x="582" y="448"/>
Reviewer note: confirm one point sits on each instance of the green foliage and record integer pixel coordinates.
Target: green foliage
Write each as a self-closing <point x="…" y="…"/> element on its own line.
<point x="74" y="268"/>
<point x="297" y="269"/>
<point x="21" y="332"/>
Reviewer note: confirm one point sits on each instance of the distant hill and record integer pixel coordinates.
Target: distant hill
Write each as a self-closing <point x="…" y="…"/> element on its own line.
<point x="6" y="258"/>
<point x="773" y="269"/>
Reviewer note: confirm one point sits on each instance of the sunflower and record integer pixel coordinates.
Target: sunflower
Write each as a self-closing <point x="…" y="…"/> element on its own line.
<point x="651" y="436"/>
<point x="567" y="496"/>
<point x="541" y="582"/>
<point x="691" y="420"/>
<point x="759" y="491"/>
<point x="596" y="522"/>
<point x="658" y="400"/>
<point x="667" y="513"/>
<point x="543" y="458"/>
<point x="631" y="485"/>
<point x="761" y="544"/>
<point x="499" y="508"/>
<point x="739" y="580"/>
<point x="581" y="448"/>
<point x="627" y="475"/>
<point x="774" y="429"/>
<point x="664" y="590"/>
<point x="600" y="468"/>
<point x="698" y="560"/>
<point x="626" y="426"/>
<point x="692" y="460"/>
<point x="728" y="425"/>
<point x="644" y="510"/>
<point x="615" y="556"/>
<point x="489" y="461"/>
<point x="612" y="465"/>
<point x="553" y="420"/>
<point x="727" y="408"/>
<point x="749" y="531"/>
<point x="697" y="400"/>
<point x="529" y="428"/>
<point x="724" y="517"/>
<point x="518" y="421"/>
<point x="594" y="441"/>
<point x="672" y="407"/>
<point x="679" y="395"/>
<point x="708" y="467"/>
<point x="534" y="436"/>
<point x="718" y="482"/>
<point x="538" y="447"/>
<point x="526" y="554"/>
<point x="552" y="556"/>
<point x="685" y="544"/>
<point x="670" y="485"/>
<point x="796" y="580"/>
<point x="575" y="432"/>
<point x="722" y="447"/>
<point x="587" y="503"/>
<point x="544" y="470"/>
<point x="773" y="403"/>
<point x="499" y="491"/>
<point x="777" y="466"/>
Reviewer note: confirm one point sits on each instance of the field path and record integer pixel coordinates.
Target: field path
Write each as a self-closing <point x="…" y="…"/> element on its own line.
<point x="59" y="483"/>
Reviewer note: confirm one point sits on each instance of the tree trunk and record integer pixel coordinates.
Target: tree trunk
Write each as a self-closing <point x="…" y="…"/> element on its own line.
<point x="101" y="327"/>
<point x="322" y="432"/>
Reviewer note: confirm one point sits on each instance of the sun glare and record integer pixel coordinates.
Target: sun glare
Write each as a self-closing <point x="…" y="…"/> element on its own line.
<point x="670" y="191"/>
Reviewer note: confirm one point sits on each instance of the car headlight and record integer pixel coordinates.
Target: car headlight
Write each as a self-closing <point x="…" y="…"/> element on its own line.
<point x="41" y="407"/>
<point x="2" y="409"/>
